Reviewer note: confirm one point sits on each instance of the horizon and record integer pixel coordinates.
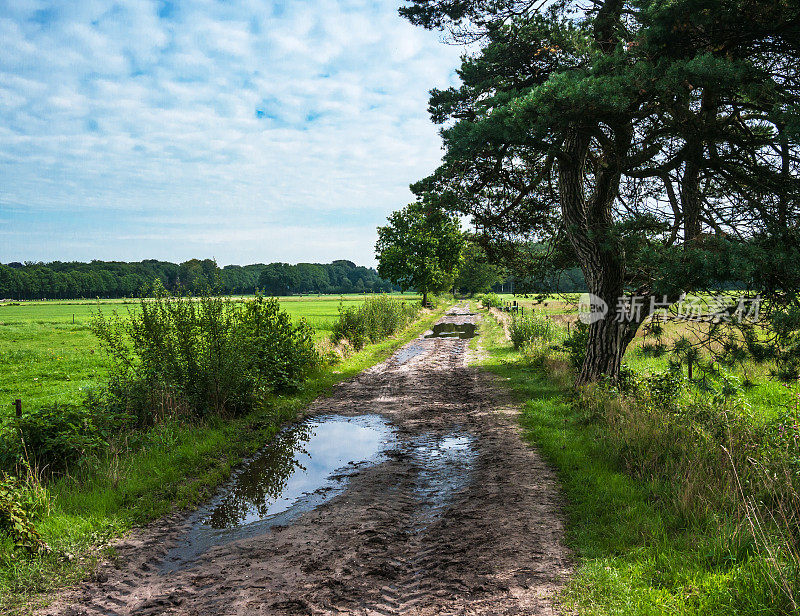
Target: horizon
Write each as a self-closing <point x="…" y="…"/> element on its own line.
<point x="29" y="263"/>
<point x="158" y="130"/>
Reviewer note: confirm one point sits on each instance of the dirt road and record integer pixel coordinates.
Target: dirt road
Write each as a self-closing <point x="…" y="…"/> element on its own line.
<point x="458" y="517"/>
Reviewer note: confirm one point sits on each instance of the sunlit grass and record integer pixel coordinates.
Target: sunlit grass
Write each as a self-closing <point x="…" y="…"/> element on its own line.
<point x="48" y="353"/>
<point x="634" y="554"/>
<point x="765" y="395"/>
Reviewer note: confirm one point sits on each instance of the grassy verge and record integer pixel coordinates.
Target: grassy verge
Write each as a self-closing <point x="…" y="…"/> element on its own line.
<point x="178" y="466"/>
<point x="634" y="553"/>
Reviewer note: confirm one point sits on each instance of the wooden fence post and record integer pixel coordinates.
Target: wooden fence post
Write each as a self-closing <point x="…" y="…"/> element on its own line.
<point x="18" y="407"/>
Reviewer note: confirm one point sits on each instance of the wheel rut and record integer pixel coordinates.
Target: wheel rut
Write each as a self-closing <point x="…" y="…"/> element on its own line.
<point x="458" y="517"/>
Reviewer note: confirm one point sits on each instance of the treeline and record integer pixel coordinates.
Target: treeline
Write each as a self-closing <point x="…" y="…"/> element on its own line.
<point x="337" y="277"/>
<point x="569" y="280"/>
<point x="113" y="279"/>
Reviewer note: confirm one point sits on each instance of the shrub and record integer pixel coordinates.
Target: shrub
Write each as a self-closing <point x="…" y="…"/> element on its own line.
<point x="490" y="300"/>
<point x="576" y="343"/>
<point x="180" y="355"/>
<point x="51" y="439"/>
<point x="20" y="505"/>
<point x="280" y="352"/>
<point x="374" y="320"/>
<point x="660" y="388"/>
<point x="530" y="329"/>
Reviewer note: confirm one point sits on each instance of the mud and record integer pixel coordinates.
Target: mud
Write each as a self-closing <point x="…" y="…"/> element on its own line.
<point x="454" y="515"/>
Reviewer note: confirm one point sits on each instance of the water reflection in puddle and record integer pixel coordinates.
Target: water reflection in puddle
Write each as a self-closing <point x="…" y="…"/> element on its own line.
<point x="308" y="464"/>
<point x="453" y="330"/>
<point x="304" y="466"/>
<point x="408" y="352"/>
<point x="445" y="464"/>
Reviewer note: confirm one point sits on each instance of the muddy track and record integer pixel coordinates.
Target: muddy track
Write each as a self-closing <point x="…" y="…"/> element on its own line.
<point x="460" y="517"/>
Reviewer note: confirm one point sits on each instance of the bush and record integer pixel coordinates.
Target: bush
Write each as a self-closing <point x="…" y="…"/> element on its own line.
<point x="195" y="356"/>
<point x="52" y="439"/>
<point x="576" y="343"/>
<point x="19" y="506"/>
<point x="280" y="352"/>
<point x="490" y="300"/>
<point x="372" y="321"/>
<point x="529" y="329"/>
<point x="660" y="388"/>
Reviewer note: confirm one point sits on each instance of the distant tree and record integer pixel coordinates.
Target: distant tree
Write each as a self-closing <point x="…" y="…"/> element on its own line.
<point x="477" y="274"/>
<point x="276" y="279"/>
<point x="196" y="275"/>
<point x="114" y="279"/>
<point x="420" y="248"/>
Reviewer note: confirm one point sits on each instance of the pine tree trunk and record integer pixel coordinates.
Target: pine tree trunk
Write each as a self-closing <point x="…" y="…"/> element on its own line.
<point x="588" y="220"/>
<point x="588" y="223"/>
<point x="608" y="341"/>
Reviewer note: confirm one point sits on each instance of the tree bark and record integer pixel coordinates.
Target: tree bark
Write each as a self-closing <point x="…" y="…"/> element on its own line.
<point x="690" y="196"/>
<point x="589" y="220"/>
<point x="608" y="341"/>
<point x="589" y="227"/>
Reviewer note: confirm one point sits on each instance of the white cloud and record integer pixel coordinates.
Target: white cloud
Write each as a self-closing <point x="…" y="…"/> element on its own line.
<point x="230" y="115"/>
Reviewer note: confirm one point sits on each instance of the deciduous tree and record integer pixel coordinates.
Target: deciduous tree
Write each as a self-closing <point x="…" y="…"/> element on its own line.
<point x="420" y="248"/>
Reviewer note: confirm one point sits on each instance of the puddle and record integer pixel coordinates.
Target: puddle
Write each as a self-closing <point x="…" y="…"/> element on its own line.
<point x="453" y="330"/>
<point x="445" y="464"/>
<point x="305" y="465"/>
<point x="309" y="463"/>
<point x="408" y="352"/>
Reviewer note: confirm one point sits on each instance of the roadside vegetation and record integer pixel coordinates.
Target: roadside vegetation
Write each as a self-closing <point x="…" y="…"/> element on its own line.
<point x="188" y="388"/>
<point x="489" y="300"/>
<point x="374" y="319"/>
<point x="681" y="494"/>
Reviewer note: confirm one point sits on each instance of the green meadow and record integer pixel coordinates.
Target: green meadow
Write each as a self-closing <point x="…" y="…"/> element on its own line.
<point x="49" y="354"/>
<point x="765" y="395"/>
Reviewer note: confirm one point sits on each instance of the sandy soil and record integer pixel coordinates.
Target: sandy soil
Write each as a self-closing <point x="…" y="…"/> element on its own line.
<point x="477" y="530"/>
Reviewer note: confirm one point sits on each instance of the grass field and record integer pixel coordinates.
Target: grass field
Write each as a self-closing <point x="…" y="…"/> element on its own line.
<point x="637" y="552"/>
<point x="765" y="395"/>
<point x="48" y="353"/>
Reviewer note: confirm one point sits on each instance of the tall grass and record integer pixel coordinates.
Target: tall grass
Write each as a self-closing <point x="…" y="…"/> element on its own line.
<point x="372" y="321"/>
<point x="531" y="329"/>
<point x="712" y="458"/>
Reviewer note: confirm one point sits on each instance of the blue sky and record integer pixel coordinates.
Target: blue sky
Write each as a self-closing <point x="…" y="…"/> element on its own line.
<point x="248" y="131"/>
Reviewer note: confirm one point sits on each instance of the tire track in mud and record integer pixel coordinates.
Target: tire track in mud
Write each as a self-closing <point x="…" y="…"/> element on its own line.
<point x="461" y="517"/>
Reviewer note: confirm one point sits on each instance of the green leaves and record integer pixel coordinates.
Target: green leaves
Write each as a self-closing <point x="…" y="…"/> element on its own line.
<point x="56" y="437"/>
<point x="18" y="510"/>
<point x="375" y="319"/>
<point x="420" y="248"/>
<point x="179" y="356"/>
